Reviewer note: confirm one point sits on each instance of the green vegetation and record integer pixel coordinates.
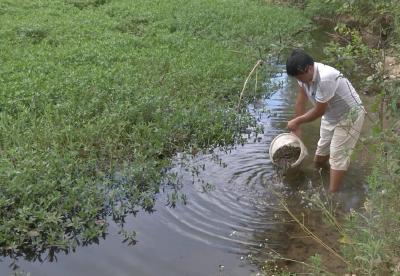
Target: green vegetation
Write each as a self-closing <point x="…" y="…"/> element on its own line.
<point x="373" y="248"/>
<point x="97" y="95"/>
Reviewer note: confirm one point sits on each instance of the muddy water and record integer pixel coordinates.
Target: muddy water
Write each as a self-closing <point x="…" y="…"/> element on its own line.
<point x="228" y="229"/>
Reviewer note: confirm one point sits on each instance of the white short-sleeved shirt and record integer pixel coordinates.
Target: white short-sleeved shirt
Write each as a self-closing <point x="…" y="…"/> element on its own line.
<point x="330" y="86"/>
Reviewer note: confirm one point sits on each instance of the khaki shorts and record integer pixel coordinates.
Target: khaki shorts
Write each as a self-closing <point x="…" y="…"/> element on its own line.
<point x="338" y="140"/>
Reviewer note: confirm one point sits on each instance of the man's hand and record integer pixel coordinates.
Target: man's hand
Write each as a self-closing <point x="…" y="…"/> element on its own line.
<point x="317" y="111"/>
<point x="294" y="126"/>
<point x="297" y="132"/>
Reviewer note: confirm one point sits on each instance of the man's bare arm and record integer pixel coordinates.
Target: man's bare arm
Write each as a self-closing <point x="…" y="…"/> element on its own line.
<point x="317" y="111"/>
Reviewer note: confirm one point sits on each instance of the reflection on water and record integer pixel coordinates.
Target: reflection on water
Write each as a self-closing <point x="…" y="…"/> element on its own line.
<point x="228" y="230"/>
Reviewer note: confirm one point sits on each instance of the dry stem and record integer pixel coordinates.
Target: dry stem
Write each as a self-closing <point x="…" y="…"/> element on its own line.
<point x="259" y="62"/>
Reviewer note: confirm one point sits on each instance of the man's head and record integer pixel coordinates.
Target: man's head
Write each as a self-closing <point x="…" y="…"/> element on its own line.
<point x="300" y="65"/>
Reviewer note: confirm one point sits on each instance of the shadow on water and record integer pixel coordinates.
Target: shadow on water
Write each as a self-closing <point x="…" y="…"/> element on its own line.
<point x="232" y="220"/>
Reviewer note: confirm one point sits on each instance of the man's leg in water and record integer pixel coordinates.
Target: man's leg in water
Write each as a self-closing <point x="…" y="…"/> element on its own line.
<point x="335" y="179"/>
<point x="343" y="142"/>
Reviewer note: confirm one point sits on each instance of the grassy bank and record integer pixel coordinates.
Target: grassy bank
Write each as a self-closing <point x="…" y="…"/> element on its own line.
<point x="92" y="87"/>
<point x="365" y="42"/>
<point x="373" y="233"/>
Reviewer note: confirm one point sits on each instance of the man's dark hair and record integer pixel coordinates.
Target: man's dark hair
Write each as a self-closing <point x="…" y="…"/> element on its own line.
<point x="297" y="62"/>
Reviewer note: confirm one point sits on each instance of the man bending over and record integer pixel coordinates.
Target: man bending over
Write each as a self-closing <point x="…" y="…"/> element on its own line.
<point x="336" y="101"/>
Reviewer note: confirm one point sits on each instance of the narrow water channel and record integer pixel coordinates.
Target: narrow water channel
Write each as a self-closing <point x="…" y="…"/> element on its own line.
<point x="228" y="230"/>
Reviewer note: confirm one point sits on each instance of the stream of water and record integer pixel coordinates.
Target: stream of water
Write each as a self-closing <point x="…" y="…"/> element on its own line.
<point x="229" y="229"/>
